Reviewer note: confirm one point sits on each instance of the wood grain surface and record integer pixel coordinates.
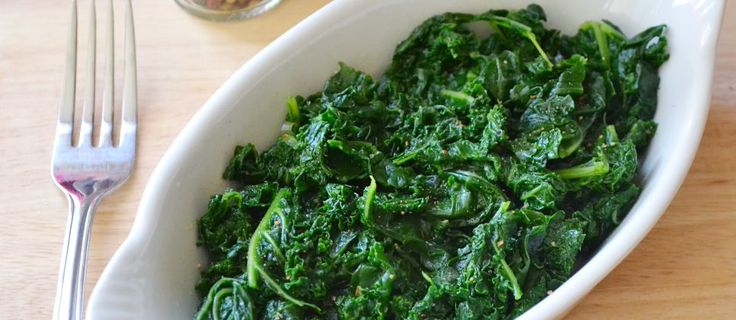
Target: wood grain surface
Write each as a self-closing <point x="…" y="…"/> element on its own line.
<point x="684" y="269"/>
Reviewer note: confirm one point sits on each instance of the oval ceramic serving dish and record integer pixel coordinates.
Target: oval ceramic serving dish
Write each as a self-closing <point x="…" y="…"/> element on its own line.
<point x="152" y="275"/>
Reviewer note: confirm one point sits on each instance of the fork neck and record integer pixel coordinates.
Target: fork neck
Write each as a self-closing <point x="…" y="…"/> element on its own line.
<point x="70" y="295"/>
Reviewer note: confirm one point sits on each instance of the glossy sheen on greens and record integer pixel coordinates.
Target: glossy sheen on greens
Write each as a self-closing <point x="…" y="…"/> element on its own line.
<point x="469" y="181"/>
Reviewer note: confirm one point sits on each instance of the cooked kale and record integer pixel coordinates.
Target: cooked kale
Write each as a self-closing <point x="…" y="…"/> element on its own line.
<point x="468" y="182"/>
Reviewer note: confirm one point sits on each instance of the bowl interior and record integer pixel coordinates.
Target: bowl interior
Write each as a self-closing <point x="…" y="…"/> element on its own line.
<point x="153" y="274"/>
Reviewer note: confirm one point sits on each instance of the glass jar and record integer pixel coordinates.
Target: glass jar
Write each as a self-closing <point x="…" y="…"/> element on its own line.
<point x="227" y="10"/>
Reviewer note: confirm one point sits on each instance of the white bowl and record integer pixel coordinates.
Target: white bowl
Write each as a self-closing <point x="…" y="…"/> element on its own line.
<point x="153" y="274"/>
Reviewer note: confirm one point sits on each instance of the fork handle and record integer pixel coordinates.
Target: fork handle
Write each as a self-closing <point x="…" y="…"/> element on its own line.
<point x="70" y="289"/>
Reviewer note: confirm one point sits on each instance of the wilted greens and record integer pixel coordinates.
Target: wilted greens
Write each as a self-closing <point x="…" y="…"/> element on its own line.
<point x="492" y="158"/>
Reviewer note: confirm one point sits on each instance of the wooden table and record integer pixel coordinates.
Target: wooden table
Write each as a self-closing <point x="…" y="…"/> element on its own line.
<point x="685" y="268"/>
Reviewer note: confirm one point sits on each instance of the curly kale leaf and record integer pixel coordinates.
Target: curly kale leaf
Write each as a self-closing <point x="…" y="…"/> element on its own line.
<point x="469" y="181"/>
<point x="229" y="300"/>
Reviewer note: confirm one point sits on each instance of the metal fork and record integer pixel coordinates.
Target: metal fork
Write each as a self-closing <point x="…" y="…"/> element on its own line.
<point x="87" y="172"/>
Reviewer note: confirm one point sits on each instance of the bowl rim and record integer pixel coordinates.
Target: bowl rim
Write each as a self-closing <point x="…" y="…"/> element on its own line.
<point x="616" y="247"/>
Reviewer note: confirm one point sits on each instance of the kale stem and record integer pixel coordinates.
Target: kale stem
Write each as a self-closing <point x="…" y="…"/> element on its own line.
<point x="407" y="156"/>
<point x="500" y="254"/>
<point x="292" y="110"/>
<point x="253" y="258"/>
<point x="275" y="246"/>
<point x="428" y="278"/>
<point x="509" y="273"/>
<point x="611" y="135"/>
<point x="588" y="169"/>
<point x="216" y="302"/>
<point x="601" y="39"/>
<point x="254" y="267"/>
<point x="532" y="192"/>
<point x="370" y="193"/>
<point x="526" y="32"/>
<point x="205" y="309"/>
<point x="212" y="305"/>
<point x="533" y="39"/>
<point x="514" y="283"/>
<point x="457" y="96"/>
<point x="276" y="288"/>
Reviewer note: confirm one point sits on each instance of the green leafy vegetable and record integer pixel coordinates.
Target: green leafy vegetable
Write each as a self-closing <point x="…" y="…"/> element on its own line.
<point x="467" y="182"/>
<point x="228" y="299"/>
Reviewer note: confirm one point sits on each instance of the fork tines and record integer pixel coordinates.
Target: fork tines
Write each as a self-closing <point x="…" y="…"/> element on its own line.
<point x="65" y="128"/>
